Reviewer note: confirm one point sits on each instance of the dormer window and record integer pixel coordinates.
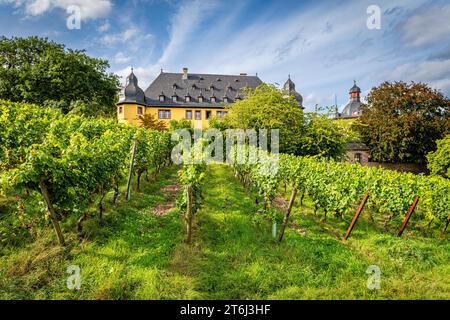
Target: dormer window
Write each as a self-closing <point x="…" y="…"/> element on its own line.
<point x="211" y="87"/>
<point x="174" y="98"/>
<point x="200" y="99"/>
<point x="218" y="79"/>
<point x="225" y="99"/>
<point x="213" y="99"/>
<point x="161" y="97"/>
<point x="238" y="98"/>
<point x="174" y="86"/>
<point x="187" y="98"/>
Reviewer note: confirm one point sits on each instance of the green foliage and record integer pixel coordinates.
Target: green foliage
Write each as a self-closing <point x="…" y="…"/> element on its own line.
<point x="439" y="161"/>
<point x="402" y="122"/>
<point x="41" y="71"/>
<point x="267" y="107"/>
<point x="149" y="121"/>
<point x="180" y="124"/>
<point x="77" y="159"/>
<point x="323" y="137"/>
<point x="219" y="123"/>
<point x="337" y="187"/>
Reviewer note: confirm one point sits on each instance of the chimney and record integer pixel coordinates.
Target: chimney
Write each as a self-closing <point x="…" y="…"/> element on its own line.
<point x="185" y="73"/>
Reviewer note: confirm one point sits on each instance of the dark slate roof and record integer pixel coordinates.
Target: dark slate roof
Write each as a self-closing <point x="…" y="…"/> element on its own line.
<point x="131" y="92"/>
<point x="289" y="88"/>
<point x="355" y="88"/>
<point x="352" y="109"/>
<point x="357" y="146"/>
<point x="196" y="85"/>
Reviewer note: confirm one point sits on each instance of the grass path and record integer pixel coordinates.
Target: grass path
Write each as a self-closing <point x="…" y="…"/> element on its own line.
<point x="235" y="258"/>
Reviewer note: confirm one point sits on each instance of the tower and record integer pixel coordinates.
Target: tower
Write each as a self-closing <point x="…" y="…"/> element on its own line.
<point x="353" y="107"/>
<point x="289" y="89"/>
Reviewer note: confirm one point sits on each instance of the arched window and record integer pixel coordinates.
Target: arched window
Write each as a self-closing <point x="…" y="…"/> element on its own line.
<point x="358" y="158"/>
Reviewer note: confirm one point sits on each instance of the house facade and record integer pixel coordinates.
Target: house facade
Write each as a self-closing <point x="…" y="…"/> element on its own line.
<point x="177" y="96"/>
<point x="191" y="96"/>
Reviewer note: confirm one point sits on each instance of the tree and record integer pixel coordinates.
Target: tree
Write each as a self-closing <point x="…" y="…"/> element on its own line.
<point x="439" y="161"/>
<point x="267" y="107"/>
<point x="149" y="121"/>
<point x="402" y="122"/>
<point x="38" y="70"/>
<point x="323" y="137"/>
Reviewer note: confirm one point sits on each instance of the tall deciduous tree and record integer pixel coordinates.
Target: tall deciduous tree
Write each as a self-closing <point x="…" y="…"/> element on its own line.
<point x="323" y="137"/>
<point x="401" y="122"/>
<point x="38" y="70"/>
<point x="267" y="107"/>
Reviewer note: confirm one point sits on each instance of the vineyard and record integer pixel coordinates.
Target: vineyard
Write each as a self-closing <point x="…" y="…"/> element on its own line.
<point x="70" y="169"/>
<point x="337" y="188"/>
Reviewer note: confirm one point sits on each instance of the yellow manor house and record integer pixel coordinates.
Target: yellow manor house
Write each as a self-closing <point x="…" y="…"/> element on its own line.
<point x="177" y="96"/>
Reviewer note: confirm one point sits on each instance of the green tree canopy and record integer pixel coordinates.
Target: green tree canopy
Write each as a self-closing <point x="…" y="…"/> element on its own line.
<point x="40" y="71"/>
<point x="267" y="107"/>
<point x="324" y="137"/>
<point x="439" y="161"/>
<point x="401" y="122"/>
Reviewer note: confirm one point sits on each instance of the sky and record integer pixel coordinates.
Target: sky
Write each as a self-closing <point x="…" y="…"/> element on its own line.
<point x="323" y="45"/>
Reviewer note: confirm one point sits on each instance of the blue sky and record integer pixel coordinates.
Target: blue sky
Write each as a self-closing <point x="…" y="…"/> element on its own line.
<point x="323" y="45"/>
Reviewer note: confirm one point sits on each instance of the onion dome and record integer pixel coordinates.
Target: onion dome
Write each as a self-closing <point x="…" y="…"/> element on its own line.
<point x="289" y="88"/>
<point x="131" y="92"/>
<point x="355" y="88"/>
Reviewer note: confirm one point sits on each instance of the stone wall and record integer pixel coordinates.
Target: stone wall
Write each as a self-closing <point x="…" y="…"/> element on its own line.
<point x="354" y="156"/>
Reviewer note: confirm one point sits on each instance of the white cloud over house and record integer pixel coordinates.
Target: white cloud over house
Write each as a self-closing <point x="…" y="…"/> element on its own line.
<point x="90" y="9"/>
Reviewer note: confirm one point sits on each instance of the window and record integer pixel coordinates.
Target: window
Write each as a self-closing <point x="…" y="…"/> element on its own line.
<point x="164" y="114"/>
<point x="200" y="99"/>
<point x="213" y="99"/>
<point x="174" y="98"/>
<point x="220" y="114"/>
<point x="161" y="98"/>
<point x="188" y="99"/>
<point x="139" y="110"/>
<point x="120" y="109"/>
<point x="225" y="99"/>
<point x="208" y="114"/>
<point x="189" y="114"/>
<point x="358" y="157"/>
<point x="198" y="115"/>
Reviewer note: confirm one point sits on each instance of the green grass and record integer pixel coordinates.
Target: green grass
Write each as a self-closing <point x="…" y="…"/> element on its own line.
<point x="133" y="254"/>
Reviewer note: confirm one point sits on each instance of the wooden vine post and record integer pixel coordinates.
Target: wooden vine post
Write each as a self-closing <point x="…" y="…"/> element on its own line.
<point x="52" y="212"/>
<point x="408" y="216"/>
<point x="287" y="214"/>
<point x="189" y="214"/>
<point x="355" y="218"/>
<point x="130" y="172"/>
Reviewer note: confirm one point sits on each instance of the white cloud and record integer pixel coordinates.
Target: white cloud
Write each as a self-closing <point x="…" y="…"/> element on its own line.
<point x="144" y="75"/>
<point x="120" y="37"/>
<point x="121" y="58"/>
<point x="428" y="26"/>
<point x="104" y="27"/>
<point x="90" y="9"/>
<point x="183" y="24"/>
<point x="434" y="72"/>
